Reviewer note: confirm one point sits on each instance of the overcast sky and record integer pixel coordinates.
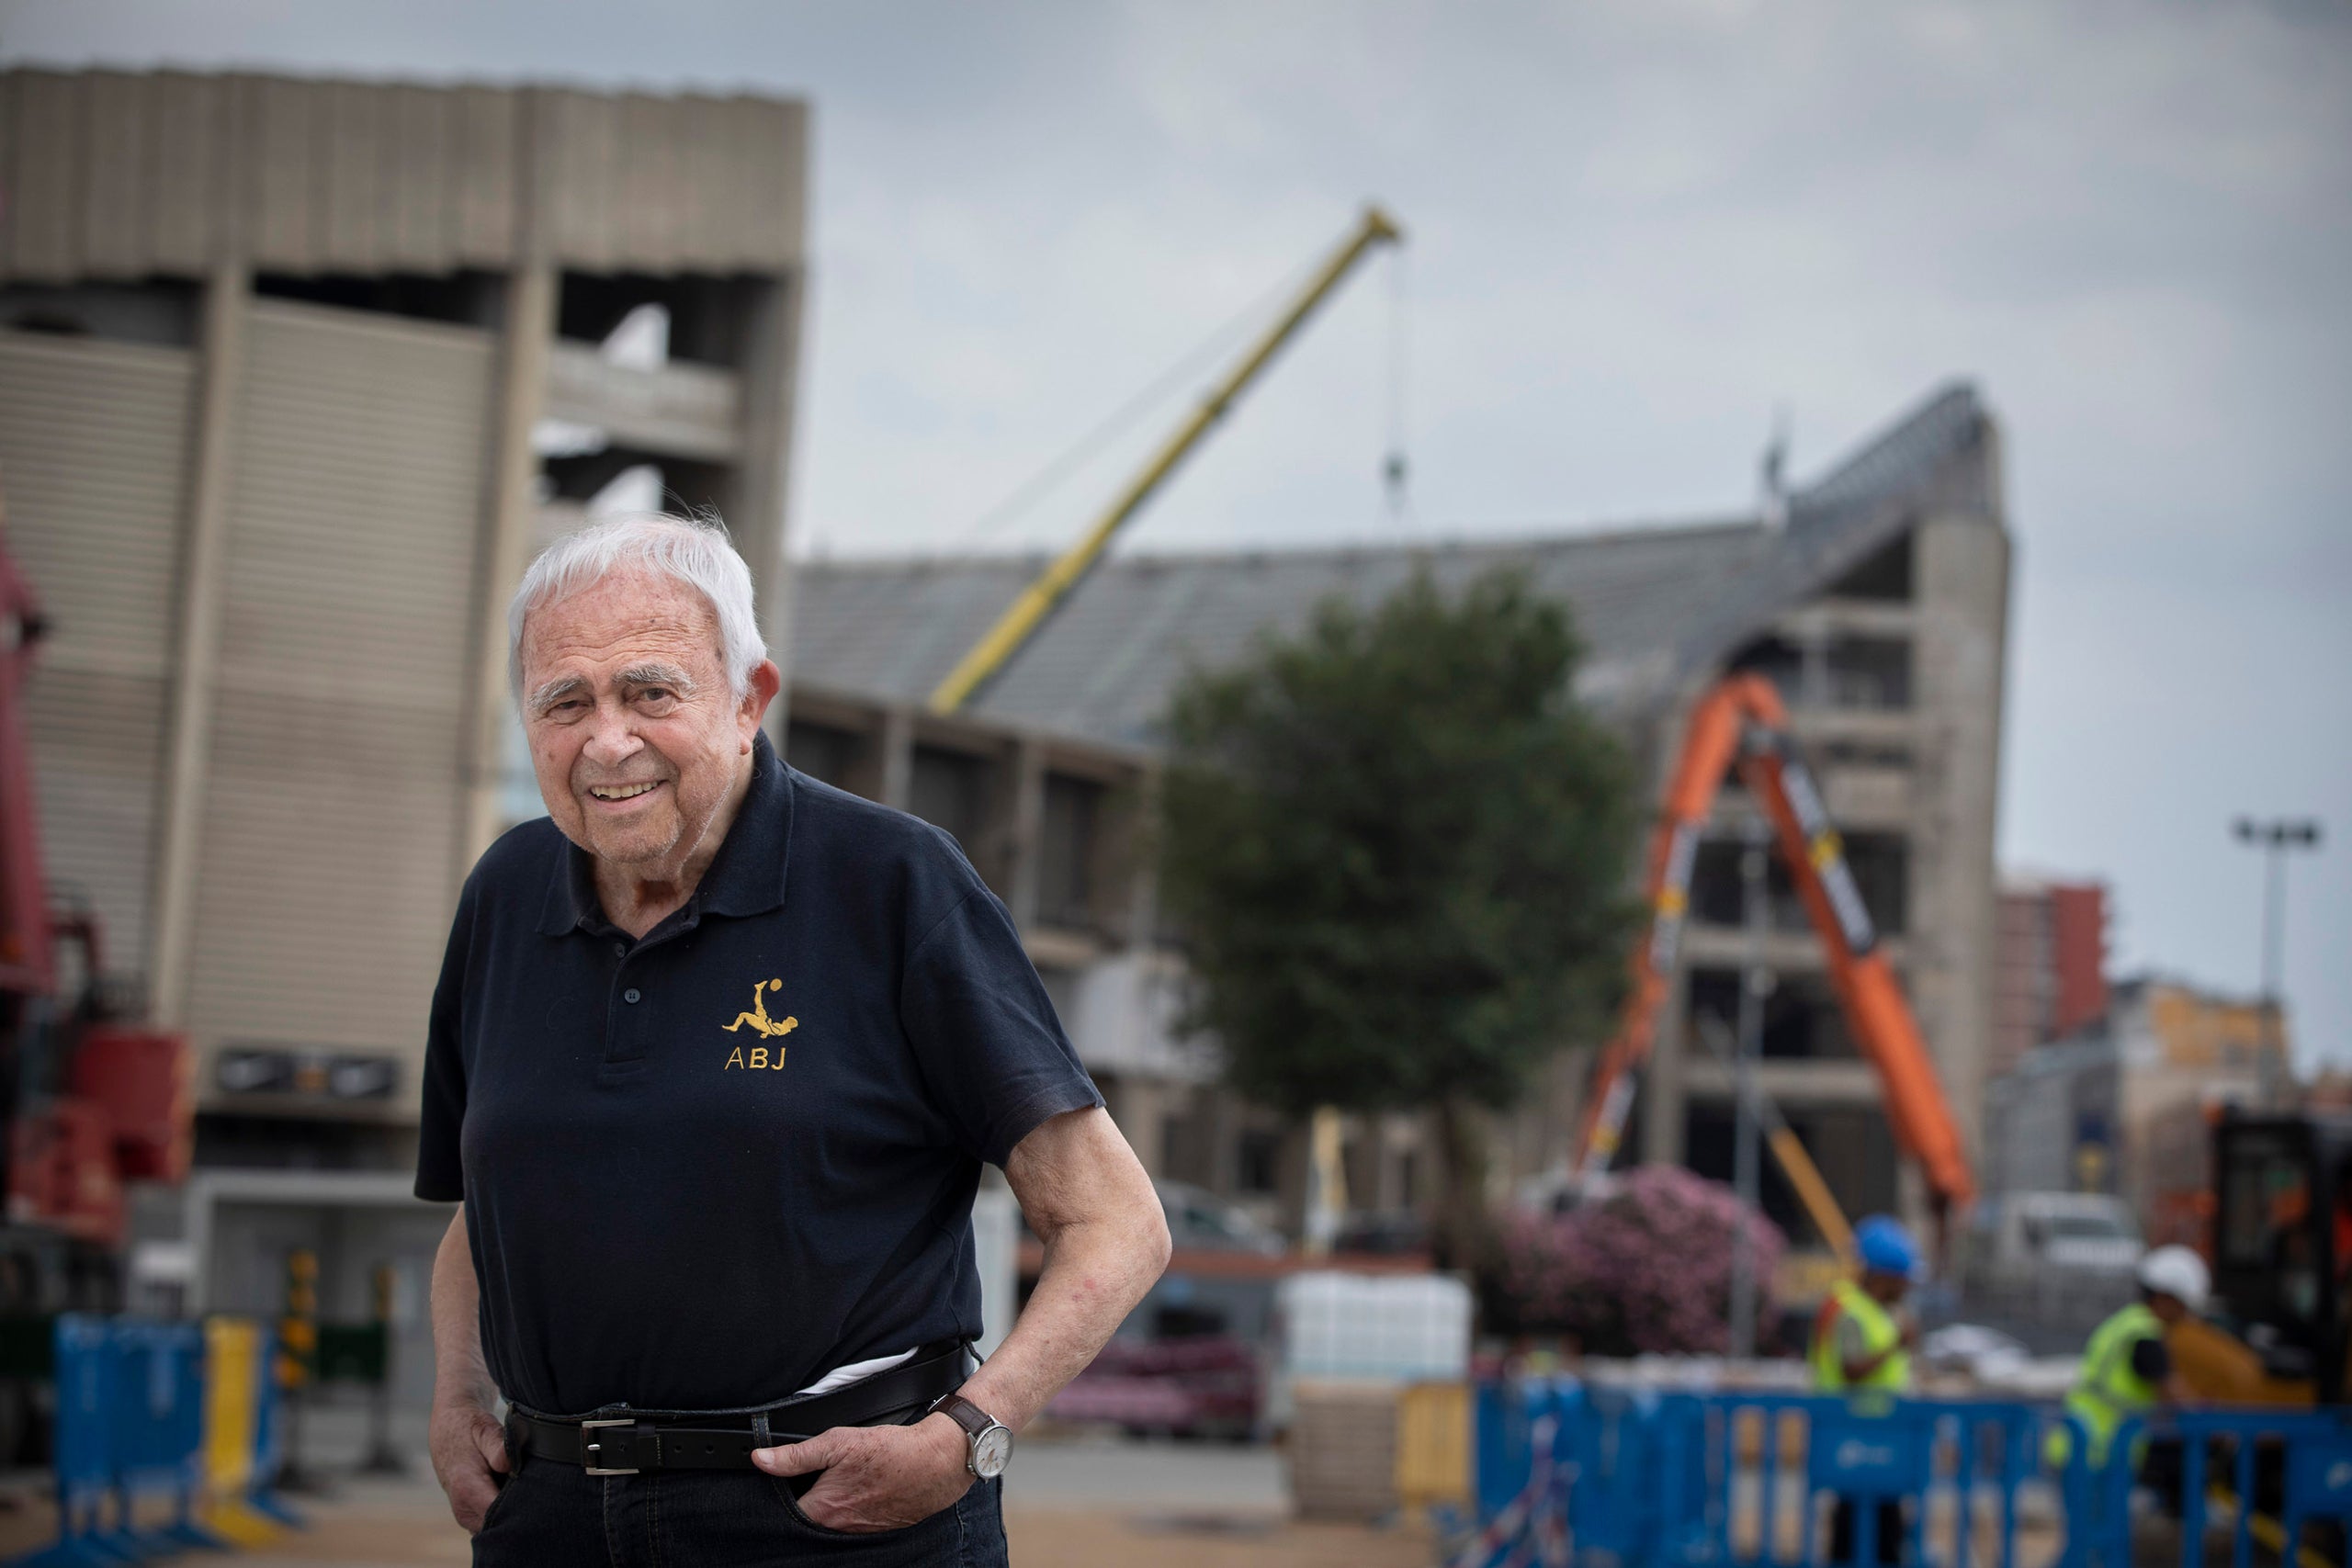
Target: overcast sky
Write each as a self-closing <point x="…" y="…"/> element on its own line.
<point x="1638" y="229"/>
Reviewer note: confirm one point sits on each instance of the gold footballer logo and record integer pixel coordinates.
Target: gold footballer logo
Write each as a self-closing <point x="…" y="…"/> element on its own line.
<point x="767" y="1028"/>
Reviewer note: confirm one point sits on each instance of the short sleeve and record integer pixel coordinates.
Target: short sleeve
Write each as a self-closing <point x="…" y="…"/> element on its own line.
<point x="984" y="1033"/>
<point x="440" y="1164"/>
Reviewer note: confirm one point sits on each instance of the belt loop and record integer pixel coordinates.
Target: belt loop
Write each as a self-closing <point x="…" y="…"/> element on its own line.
<point x="761" y="1439"/>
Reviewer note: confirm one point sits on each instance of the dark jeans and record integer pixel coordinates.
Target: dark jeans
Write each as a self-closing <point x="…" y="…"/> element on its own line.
<point x="1842" y="1532"/>
<point x="553" y="1515"/>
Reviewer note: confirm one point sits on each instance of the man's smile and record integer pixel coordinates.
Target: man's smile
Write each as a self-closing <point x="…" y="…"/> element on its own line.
<point x="621" y="792"/>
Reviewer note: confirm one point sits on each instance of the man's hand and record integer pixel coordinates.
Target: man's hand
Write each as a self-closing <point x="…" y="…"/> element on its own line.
<point x="1910" y="1330"/>
<point x="468" y="1453"/>
<point x="877" y="1478"/>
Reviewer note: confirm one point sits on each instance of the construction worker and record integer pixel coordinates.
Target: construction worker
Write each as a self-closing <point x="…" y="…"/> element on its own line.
<point x="2126" y="1368"/>
<point x="1862" y="1347"/>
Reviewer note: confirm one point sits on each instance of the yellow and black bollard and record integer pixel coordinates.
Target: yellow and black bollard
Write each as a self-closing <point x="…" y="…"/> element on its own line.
<point x="383" y="1459"/>
<point x="298" y="1363"/>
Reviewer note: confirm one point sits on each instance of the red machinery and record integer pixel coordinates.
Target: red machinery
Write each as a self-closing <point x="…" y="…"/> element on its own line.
<point x="87" y="1103"/>
<point x="1742" y="721"/>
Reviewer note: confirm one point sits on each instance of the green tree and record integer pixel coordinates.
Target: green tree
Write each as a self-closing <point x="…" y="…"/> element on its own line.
<point x="1397" y="850"/>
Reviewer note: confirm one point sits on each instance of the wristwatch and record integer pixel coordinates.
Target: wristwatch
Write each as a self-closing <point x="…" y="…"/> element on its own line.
<point x="990" y="1439"/>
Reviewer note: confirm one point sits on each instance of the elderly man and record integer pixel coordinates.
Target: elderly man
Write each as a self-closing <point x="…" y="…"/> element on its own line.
<point x="715" y="1058"/>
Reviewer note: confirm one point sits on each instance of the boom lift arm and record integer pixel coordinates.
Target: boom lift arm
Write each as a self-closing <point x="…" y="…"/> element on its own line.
<point x="1742" y="720"/>
<point x="1028" y="612"/>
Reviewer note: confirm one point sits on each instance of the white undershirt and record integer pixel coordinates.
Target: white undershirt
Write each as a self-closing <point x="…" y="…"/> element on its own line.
<point x="841" y="1377"/>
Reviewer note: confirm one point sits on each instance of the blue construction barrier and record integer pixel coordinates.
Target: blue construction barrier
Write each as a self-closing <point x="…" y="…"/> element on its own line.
<point x="79" y="1445"/>
<point x="1570" y="1473"/>
<point x="158" y="1434"/>
<point x="130" y="1429"/>
<point x="2261" y="1476"/>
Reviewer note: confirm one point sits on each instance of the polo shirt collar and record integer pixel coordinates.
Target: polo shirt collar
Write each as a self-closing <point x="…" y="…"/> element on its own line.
<point x="746" y="877"/>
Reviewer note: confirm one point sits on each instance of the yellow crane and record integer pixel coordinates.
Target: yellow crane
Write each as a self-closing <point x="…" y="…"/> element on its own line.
<point x="1022" y="619"/>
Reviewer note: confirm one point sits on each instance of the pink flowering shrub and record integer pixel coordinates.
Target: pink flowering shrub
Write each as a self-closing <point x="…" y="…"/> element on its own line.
<point x="1646" y="1269"/>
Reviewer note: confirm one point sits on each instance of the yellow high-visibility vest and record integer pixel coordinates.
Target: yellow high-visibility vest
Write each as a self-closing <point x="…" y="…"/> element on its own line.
<point x="1880" y="1332"/>
<point x="2105" y="1388"/>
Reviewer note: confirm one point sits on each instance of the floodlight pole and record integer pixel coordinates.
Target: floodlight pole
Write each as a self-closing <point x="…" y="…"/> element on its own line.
<point x="2275" y="837"/>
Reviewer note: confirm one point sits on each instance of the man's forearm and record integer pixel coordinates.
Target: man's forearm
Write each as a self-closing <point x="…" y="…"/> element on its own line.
<point x="459" y="1374"/>
<point x="1090" y="1283"/>
<point x="1105" y="1242"/>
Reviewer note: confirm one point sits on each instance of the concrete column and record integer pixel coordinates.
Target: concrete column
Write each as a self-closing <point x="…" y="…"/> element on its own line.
<point x="1665" y="1095"/>
<point x="1220" y="1158"/>
<point x="1961" y="567"/>
<point x="1025" y="831"/>
<point x="1813" y="680"/>
<point x="510" y="527"/>
<point x="895" y="741"/>
<point x="1136" y="855"/>
<point x="760" y="508"/>
<point x="1142" y="1114"/>
<point x="196" y="650"/>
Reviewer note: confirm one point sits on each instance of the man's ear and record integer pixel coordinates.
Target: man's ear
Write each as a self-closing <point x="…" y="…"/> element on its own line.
<point x="766" y="681"/>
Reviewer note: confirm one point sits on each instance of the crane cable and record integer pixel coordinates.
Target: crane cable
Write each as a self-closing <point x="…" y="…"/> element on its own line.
<point x="1396" y="472"/>
<point x="1087" y="447"/>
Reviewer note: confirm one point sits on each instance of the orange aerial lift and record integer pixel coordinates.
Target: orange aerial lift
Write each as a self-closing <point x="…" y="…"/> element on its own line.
<point x="1741" y="721"/>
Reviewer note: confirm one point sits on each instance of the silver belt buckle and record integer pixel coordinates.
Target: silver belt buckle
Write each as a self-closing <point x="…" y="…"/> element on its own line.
<point x="587" y="1448"/>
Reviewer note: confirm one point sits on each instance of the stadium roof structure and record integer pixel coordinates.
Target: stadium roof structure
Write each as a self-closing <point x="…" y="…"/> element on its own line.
<point x="1659" y="607"/>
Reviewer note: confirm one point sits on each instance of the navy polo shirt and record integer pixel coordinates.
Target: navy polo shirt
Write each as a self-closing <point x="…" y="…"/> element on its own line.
<point x="702" y="1169"/>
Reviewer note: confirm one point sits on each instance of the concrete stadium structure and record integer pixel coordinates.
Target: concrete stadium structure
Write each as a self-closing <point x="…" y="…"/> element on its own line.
<point x="1876" y="598"/>
<point x="294" y="375"/>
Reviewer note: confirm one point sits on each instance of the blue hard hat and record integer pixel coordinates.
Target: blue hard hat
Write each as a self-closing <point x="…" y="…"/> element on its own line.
<point x="1886" y="1247"/>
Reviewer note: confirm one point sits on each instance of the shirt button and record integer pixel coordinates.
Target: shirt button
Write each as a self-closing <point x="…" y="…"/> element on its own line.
<point x="620" y="950"/>
<point x="629" y="995"/>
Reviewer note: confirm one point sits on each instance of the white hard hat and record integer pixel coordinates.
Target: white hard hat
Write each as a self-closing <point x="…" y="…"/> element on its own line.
<point x="2177" y="1272"/>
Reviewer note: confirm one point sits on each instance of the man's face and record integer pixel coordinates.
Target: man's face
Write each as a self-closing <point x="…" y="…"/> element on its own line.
<point x="1887" y="1289"/>
<point x="634" y="737"/>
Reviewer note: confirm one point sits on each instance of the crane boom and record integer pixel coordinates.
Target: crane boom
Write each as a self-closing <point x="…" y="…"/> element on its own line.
<point x="1023" y="618"/>
<point x="1741" y="721"/>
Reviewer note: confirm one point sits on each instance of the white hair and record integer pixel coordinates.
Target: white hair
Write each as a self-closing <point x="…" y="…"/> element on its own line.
<point x="694" y="551"/>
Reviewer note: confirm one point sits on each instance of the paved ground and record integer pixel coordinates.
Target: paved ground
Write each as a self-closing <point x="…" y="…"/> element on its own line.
<point x="1068" y="1505"/>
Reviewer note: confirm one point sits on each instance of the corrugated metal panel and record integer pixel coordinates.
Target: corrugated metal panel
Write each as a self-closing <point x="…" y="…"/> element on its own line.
<point x="418" y="196"/>
<point x="352" y="144"/>
<point x="97" y="764"/>
<point x="706" y="213"/>
<point x="584" y="156"/>
<point x="651" y="170"/>
<point x="114" y="212"/>
<point x="113" y="174"/>
<point x="482" y="174"/>
<point x="278" y="139"/>
<point x="93" y="457"/>
<point x="324" y="882"/>
<point x="190" y="128"/>
<point x="46" y="179"/>
<point x="9" y="141"/>
<point x="770" y="206"/>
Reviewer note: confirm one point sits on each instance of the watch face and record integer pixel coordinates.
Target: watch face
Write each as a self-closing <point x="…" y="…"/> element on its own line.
<point x="989" y="1451"/>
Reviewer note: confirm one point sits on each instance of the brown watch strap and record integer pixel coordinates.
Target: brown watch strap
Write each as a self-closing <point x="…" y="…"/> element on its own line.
<point x="965" y="1414"/>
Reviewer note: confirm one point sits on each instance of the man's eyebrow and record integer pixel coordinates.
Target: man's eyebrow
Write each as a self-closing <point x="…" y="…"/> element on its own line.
<point x="658" y="674"/>
<point x="554" y="691"/>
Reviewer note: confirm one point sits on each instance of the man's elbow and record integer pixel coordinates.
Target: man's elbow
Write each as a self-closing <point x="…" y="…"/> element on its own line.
<point x="1152" y="1240"/>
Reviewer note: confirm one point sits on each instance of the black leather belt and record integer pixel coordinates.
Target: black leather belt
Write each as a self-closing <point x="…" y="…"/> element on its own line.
<point x="626" y="1442"/>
